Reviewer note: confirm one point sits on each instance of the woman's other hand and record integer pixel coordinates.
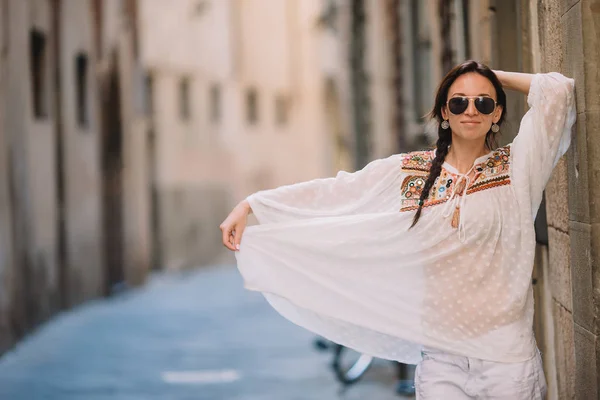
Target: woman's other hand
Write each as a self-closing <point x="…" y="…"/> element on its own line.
<point x="518" y="81"/>
<point x="234" y="225"/>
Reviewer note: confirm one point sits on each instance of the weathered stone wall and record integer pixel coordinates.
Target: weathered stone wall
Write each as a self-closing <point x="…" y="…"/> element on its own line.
<point x="582" y="58"/>
<point x="568" y="43"/>
<point x="80" y="143"/>
<point x="51" y="236"/>
<point x="32" y="164"/>
<point x="136" y="192"/>
<point x="6" y="249"/>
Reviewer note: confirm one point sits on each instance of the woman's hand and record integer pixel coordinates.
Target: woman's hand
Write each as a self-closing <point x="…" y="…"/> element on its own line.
<point x="234" y="225"/>
<point x="515" y="80"/>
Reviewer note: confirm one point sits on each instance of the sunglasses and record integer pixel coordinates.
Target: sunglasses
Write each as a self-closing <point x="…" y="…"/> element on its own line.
<point x="483" y="104"/>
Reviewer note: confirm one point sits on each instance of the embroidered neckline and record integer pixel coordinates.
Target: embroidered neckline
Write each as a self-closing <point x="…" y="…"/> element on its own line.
<point x="491" y="170"/>
<point x="476" y="164"/>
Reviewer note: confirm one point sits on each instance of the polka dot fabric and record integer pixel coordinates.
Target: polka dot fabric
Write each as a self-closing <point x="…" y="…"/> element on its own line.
<point x="337" y="257"/>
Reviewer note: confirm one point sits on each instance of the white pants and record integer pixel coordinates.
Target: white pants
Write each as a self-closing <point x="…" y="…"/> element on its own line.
<point x="444" y="376"/>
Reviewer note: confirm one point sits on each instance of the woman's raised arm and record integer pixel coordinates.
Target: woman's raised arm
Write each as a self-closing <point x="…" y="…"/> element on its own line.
<point x="346" y="193"/>
<point x="518" y="81"/>
<point x="374" y="188"/>
<point x="545" y="131"/>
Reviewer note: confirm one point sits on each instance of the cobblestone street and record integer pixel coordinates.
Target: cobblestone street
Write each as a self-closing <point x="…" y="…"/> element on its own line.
<point x="193" y="336"/>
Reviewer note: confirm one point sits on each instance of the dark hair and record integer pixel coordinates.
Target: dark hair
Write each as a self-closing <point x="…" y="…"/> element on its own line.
<point x="445" y="135"/>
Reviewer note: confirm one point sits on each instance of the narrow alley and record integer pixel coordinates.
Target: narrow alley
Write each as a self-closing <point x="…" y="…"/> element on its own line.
<point x="182" y="336"/>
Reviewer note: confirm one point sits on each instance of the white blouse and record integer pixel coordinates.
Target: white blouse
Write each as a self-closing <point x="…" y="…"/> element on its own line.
<point x="336" y="256"/>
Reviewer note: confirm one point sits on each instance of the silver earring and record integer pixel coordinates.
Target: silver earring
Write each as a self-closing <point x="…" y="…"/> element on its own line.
<point x="495" y="127"/>
<point x="445" y="124"/>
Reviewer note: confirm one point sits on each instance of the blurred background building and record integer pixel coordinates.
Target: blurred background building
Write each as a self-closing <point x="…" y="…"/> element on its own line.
<point x="128" y="129"/>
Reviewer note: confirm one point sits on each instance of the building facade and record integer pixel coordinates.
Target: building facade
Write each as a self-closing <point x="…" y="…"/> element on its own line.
<point x="249" y="95"/>
<point x="185" y="51"/>
<point x="566" y="40"/>
<point x="53" y="192"/>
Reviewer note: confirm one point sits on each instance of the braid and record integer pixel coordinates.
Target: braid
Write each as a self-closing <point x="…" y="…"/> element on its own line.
<point x="443" y="144"/>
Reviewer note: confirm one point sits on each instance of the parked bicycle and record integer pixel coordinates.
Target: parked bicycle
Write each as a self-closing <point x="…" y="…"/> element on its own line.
<point x="349" y="366"/>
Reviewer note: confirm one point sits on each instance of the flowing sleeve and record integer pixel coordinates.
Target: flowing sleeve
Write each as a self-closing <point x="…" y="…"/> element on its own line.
<point x="544" y="135"/>
<point x="371" y="189"/>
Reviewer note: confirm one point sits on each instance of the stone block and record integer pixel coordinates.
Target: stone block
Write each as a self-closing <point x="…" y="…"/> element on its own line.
<point x="577" y="171"/>
<point x="595" y="254"/>
<point x="573" y="62"/>
<point x="590" y="20"/>
<point x="557" y="204"/>
<point x="597" y="362"/>
<point x="560" y="267"/>
<point x="586" y="384"/>
<point x="565" y="352"/>
<point x="581" y="275"/>
<point x="550" y="36"/>
<point x="592" y="127"/>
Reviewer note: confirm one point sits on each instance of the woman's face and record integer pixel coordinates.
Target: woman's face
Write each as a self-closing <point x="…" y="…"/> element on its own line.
<point x="471" y="124"/>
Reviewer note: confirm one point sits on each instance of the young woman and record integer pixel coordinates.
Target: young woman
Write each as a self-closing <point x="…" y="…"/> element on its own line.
<point x="423" y="257"/>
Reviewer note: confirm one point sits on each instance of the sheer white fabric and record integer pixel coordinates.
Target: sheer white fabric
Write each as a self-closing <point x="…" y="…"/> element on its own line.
<point x="336" y="255"/>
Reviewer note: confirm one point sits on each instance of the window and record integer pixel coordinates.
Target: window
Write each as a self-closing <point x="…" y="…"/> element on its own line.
<point x="329" y="15"/>
<point x="215" y="104"/>
<point x="281" y="110"/>
<point x="39" y="73"/>
<point x="185" y="111"/>
<point x="252" y="106"/>
<point x="81" y="85"/>
<point x="148" y="94"/>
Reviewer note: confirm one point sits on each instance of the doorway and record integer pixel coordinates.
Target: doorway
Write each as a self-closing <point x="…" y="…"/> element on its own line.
<point x="112" y="182"/>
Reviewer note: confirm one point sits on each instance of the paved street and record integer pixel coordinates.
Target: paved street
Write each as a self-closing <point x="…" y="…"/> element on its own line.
<point x="194" y="336"/>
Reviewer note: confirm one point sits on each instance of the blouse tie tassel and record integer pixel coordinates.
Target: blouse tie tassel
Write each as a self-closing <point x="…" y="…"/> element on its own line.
<point x="455" y="203"/>
<point x="456" y="217"/>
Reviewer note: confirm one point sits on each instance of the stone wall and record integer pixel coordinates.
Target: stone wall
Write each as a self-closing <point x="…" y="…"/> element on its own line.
<point x="568" y="43"/>
<point x="51" y="177"/>
<point x="6" y="245"/>
<point x="32" y="166"/>
<point x="80" y="140"/>
<point x="136" y="192"/>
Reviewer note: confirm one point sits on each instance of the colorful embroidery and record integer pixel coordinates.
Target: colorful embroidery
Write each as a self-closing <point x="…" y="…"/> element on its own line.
<point x="491" y="173"/>
<point x="412" y="187"/>
<point x="418" y="161"/>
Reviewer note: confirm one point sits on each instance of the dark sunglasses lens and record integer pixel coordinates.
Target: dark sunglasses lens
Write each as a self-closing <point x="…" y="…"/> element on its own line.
<point x="458" y="105"/>
<point x="485" y="105"/>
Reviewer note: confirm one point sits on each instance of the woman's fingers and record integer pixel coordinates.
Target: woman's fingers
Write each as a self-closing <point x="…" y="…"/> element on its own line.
<point x="238" y="237"/>
<point x="227" y="237"/>
<point x="233" y="227"/>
